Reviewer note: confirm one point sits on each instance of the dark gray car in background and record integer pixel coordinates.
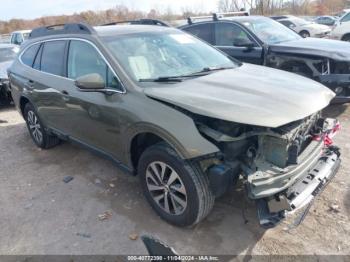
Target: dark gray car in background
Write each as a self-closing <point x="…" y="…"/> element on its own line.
<point x="263" y="41"/>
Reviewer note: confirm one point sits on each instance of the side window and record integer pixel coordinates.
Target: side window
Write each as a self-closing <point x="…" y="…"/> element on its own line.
<point x="13" y="37"/>
<point x="37" y="60"/>
<point x="19" y="39"/>
<point x="52" y="58"/>
<point x="287" y="23"/>
<point x="228" y="34"/>
<point x="346" y="18"/>
<point x="202" y="31"/>
<point x="29" y="55"/>
<point x="83" y="59"/>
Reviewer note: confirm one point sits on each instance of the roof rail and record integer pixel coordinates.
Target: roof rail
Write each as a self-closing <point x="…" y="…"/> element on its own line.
<point x="143" y="21"/>
<point x="71" y="28"/>
<point x="216" y="16"/>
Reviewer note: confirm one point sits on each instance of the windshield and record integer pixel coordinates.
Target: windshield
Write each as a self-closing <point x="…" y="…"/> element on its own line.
<point x="8" y="54"/>
<point x="270" y="31"/>
<point x="156" y="55"/>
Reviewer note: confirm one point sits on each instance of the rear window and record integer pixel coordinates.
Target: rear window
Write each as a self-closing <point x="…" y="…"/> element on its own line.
<point x="29" y="55"/>
<point x="52" y="59"/>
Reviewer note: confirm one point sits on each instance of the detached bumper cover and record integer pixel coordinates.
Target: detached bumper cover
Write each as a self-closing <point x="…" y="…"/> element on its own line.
<point x="270" y="212"/>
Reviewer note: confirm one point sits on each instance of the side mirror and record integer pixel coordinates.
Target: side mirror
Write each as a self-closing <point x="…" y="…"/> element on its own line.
<point x="243" y="42"/>
<point x="90" y="82"/>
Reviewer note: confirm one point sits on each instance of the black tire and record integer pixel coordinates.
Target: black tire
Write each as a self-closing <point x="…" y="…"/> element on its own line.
<point x="304" y="34"/>
<point x="199" y="198"/>
<point x="346" y="38"/>
<point x="47" y="140"/>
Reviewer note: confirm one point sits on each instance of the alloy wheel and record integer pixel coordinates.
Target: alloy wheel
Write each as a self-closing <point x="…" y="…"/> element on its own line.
<point x="166" y="188"/>
<point x="35" y="127"/>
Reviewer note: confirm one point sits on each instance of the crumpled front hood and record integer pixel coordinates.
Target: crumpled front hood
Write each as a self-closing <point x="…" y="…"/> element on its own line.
<point x="3" y="69"/>
<point x="338" y="50"/>
<point x="250" y="94"/>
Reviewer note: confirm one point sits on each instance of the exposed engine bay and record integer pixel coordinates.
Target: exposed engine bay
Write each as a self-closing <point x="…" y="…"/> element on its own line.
<point x="278" y="165"/>
<point x="332" y="73"/>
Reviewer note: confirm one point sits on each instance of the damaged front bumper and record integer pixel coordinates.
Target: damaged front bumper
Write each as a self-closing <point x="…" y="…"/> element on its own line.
<point x="279" y="191"/>
<point x="272" y="211"/>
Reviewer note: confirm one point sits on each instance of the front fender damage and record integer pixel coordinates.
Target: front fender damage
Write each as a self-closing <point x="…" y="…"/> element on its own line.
<point x="332" y="73"/>
<point x="283" y="168"/>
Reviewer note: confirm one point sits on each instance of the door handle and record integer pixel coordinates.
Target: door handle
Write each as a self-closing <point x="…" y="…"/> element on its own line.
<point x="65" y="96"/>
<point x="29" y="84"/>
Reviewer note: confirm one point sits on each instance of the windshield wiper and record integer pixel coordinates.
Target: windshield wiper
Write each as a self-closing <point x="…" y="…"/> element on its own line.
<point x="180" y="78"/>
<point x="163" y="79"/>
<point x="207" y="70"/>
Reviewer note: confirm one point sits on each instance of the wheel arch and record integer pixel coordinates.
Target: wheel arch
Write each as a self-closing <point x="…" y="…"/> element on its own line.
<point x="147" y="135"/>
<point x="347" y="35"/>
<point x="22" y="103"/>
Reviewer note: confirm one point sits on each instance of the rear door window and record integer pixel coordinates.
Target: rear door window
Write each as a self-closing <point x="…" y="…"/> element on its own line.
<point x="202" y="31"/>
<point x="37" y="60"/>
<point x="52" y="59"/>
<point x="29" y="55"/>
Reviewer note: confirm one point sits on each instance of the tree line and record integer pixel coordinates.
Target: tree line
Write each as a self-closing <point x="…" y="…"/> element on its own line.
<point x="277" y="7"/>
<point x="122" y="13"/>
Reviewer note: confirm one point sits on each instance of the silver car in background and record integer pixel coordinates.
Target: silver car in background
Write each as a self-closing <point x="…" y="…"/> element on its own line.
<point x="8" y="53"/>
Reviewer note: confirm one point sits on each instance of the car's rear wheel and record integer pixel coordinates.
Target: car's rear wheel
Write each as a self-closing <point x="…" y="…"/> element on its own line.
<point x="304" y="34"/>
<point x="37" y="130"/>
<point x="178" y="191"/>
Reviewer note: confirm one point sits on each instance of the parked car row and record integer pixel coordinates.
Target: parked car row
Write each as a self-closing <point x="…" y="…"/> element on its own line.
<point x="303" y="27"/>
<point x="263" y="41"/>
<point x="185" y="117"/>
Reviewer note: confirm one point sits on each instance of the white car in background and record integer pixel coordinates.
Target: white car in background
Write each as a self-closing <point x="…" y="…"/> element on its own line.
<point x="341" y="30"/>
<point x="305" y="28"/>
<point x="18" y="37"/>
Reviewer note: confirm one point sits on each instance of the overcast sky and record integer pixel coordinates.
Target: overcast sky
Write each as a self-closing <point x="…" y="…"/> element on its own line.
<point x="29" y="9"/>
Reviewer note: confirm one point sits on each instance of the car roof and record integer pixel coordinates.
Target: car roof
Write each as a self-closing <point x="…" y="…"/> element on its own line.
<point x="112" y="30"/>
<point x="239" y="19"/>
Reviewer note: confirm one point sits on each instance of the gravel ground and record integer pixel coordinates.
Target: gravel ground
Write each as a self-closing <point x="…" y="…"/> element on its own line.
<point x="40" y="214"/>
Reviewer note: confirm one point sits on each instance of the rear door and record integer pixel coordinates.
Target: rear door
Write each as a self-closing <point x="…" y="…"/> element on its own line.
<point x="49" y="83"/>
<point x="231" y="37"/>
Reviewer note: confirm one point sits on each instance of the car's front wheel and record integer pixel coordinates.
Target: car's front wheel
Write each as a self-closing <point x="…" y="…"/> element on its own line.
<point x="37" y="130"/>
<point x="305" y="34"/>
<point x="178" y="191"/>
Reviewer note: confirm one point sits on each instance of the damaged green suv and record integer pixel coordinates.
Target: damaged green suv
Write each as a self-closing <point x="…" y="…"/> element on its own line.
<point x="184" y="117"/>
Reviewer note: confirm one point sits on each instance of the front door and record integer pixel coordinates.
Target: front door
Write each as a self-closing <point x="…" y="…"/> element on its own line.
<point x="232" y="38"/>
<point x="93" y="116"/>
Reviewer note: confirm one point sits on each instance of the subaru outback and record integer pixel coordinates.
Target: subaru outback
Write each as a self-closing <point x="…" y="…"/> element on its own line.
<point x="183" y="116"/>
